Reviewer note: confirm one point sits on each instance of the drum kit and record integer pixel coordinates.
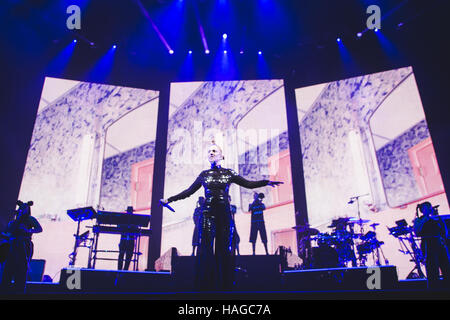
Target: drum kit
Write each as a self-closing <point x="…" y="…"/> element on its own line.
<point x="342" y="247"/>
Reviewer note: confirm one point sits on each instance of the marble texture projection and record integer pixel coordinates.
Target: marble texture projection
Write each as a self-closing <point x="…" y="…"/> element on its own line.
<point x="64" y="164"/>
<point x="329" y="166"/>
<point x="215" y="107"/>
<point x="67" y="134"/>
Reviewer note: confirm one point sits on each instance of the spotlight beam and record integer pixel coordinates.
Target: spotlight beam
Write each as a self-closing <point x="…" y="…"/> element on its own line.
<point x="202" y="33"/>
<point x="147" y="16"/>
<point x="200" y="28"/>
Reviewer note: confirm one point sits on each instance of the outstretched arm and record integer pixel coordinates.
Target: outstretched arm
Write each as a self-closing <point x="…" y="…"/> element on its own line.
<point x="253" y="184"/>
<point x="186" y="193"/>
<point x="249" y="184"/>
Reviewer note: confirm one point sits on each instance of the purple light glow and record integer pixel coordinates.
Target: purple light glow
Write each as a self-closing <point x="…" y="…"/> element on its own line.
<point x="202" y="34"/>
<point x="161" y="37"/>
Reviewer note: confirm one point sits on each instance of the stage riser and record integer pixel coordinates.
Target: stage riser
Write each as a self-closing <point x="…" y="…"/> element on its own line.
<point x="118" y="281"/>
<point x="338" y="279"/>
<point x="257" y="273"/>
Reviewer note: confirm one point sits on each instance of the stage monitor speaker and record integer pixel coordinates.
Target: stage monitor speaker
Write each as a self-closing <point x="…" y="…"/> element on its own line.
<point x="259" y="272"/>
<point x="91" y="280"/>
<point x="359" y="278"/>
<point x="183" y="271"/>
<point x="36" y="271"/>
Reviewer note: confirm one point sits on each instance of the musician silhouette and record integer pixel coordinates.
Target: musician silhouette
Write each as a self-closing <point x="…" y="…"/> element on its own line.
<point x="196" y="217"/>
<point x="434" y="234"/>
<point x="19" y="233"/>
<point x="126" y="245"/>
<point x="236" y="239"/>
<point x="257" y="208"/>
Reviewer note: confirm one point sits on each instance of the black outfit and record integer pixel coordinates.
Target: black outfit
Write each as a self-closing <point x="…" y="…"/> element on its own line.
<point x="20" y="253"/>
<point x="196" y="234"/>
<point x="215" y="266"/>
<point x="434" y="248"/>
<point x="126" y="247"/>
<point x="236" y="238"/>
<point x="257" y="223"/>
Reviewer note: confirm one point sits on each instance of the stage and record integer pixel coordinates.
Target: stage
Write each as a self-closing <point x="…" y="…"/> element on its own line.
<point x="256" y="277"/>
<point x="406" y="290"/>
<point x="312" y="135"/>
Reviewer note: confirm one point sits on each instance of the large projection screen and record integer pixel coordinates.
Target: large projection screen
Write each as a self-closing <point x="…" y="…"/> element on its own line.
<point x="88" y="143"/>
<point x="247" y="119"/>
<point x="368" y="137"/>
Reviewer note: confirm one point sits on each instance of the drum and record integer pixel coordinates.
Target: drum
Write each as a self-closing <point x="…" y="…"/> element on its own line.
<point x="369" y="246"/>
<point x="369" y="236"/>
<point x="325" y="239"/>
<point x="364" y="248"/>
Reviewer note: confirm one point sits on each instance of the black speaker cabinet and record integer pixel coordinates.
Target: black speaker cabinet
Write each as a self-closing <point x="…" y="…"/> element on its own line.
<point x="36" y="271"/>
<point x="259" y="272"/>
<point x="359" y="278"/>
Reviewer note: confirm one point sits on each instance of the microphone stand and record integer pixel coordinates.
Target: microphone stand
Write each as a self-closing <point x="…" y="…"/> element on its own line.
<point x="361" y="230"/>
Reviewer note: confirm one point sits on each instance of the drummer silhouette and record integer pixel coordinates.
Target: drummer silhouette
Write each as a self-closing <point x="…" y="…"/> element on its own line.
<point x="343" y="241"/>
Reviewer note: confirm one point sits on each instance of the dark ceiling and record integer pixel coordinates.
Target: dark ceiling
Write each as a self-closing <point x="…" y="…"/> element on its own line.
<point x="286" y="31"/>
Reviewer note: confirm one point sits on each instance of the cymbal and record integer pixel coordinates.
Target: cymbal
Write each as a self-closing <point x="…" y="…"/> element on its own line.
<point x="358" y="221"/>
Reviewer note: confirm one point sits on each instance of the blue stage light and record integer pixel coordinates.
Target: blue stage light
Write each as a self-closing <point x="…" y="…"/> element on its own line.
<point x="359" y="34"/>
<point x="260" y="52"/>
<point x="171" y="51"/>
<point x="207" y="51"/>
<point x="114" y="46"/>
<point x="338" y="39"/>
<point x="190" y="51"/>
<point x="241" y="52"/>
<point x="75" y="41"/>
<point x="225" y="51"/>
<point x="376" y="30"/>
<point x="224" y="36"/>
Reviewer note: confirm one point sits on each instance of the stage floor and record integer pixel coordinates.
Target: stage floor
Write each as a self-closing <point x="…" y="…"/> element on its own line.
<point x="37" y="290"/>
<point x="320" y="284"/>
